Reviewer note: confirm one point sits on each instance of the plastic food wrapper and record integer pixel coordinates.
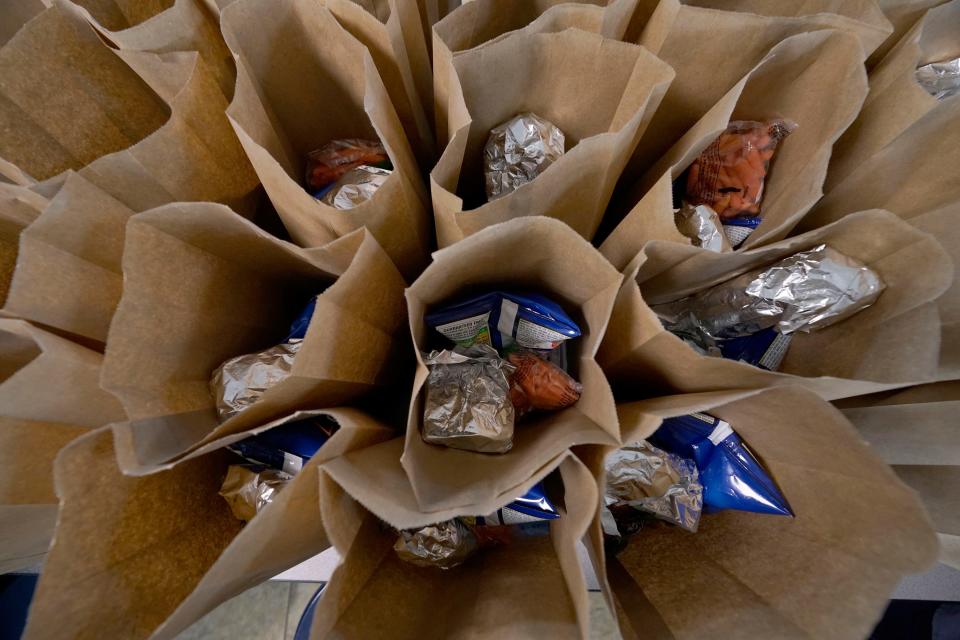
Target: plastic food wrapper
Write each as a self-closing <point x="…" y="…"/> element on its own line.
<point x="940" y="79"/>
<point x="701" y="224"/>
<point x="249" y="489"/>
<point x="731" y="476"/>
<point x="330" y="162"/>
<point x="519" y="150"/>
<point x="241" y="381"/>
<point x="300" y="324"/>
<point x="739" y="229"/>
<point x="538" y="384"/>
<point x="644" y="477"/>
<point x="809" y="290"/>
<point x="765" y="349"/>
<point x="286" y="447"/>
<point x="729" y="175"/>
<point x="355" y="187"/>
<point x="467" y="405"/>
<point x="533" y="506"/>
<point x="503" y="319"/>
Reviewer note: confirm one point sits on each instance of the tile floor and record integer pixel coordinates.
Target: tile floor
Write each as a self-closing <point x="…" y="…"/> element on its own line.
<point x="271" y="611"/>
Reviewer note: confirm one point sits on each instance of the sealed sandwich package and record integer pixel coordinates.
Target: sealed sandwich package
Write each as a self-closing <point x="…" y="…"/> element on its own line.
<point x="171" y="532"/>
<point x="233" y="291"/>
<point x="49" y="396"/>
<point x="147" y="128"/>
<point x="912" y="177"/>
<point x="759" y="197"/>
<point x="529" y="570"/>
<point x="847" y="289"/>
<point x="856" y="530"/>
<point x="284" y="122"/>
<point x="550" y="138"/>
<point x="908" y="83"/>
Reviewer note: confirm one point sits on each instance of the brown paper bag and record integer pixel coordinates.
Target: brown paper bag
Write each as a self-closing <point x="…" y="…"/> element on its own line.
<point x="529" y="588"/>
<point x="165" y="546"/>
<point x="815" y="80"/>
<point x="894" y="342"/>
<point x="187" y="25"/>
<point x="396" y="42"/>
<point x="302" y="81"/>
<point x="564" y="268"/>
<point x="117" y="15"/>
<point x="202" y="285"/>
<point x="825" y="573"/>
<point x="17" y="13"/>
<point x="712" y="49"/>
<point x="915" y="431"/>
<point x="476" y="23"/>
<point x="68" y="270"/>
<point x="902" y="14"/>
<point x="48" y="396"/>
<point x="913" y="176"/>
<point x="148" y="129"/>
<point x="599" y="92"/>
<point x="896" y="100"/>
<point x="19" y="206"/>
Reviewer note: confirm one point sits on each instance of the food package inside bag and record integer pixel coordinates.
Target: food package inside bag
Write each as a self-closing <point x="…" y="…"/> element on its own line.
<point x="177" y="535"/>
<point x="852" y="517"/>
<point x="305" y="82"/>
<point x="244" y="290"/>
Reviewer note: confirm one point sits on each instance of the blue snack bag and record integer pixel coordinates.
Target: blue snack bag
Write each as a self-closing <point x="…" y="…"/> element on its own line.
<point x="765" y="349"/>
<point x="533" y="506"/>
<point x="298" y="328"/>
<point x="501" y="319"/>
<point x="731" y="476"/>
<point x="739" y="229"/>
<point x="286" y="447"/>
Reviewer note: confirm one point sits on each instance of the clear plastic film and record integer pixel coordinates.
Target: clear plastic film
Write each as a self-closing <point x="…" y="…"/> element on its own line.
<point x="241" y="381"/>
<point x="809" y="290"/>
<point x="248" y="490"/>
<point x="330" y="162"/>
<point x="467" y="404"/>
<point x="444" y="545"/>
<point x="540" y="385"/>
<point x="702" y="225"/>
<point x="519" y="150"/>
<point x="355" y="187"/>
<point x="650" y="479"/>
<point x="940" y="79"/>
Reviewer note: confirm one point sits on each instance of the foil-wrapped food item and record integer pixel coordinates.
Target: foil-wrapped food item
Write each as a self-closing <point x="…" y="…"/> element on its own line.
<point x="940" y="79"/>
<point x="241" y="381"/>
<point x="702" y="225"/>
<point x="355" y="187"/>
<point x="644" y="477"/>
<point x="444" y="545"/>
<point x="809" y="290"/>
<point x="519" y="150"/>
<point x="248" y="489"/>
<point x="467" y="404"/>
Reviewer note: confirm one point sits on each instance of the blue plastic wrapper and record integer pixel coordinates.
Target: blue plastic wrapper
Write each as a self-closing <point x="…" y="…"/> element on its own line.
<point x="286" y="447"/>
<point x="731" y="476"/>
<point x="765" y="349"/>
<point x="298" y="328"/>
<point x="533" y="506"/>
<point x="739" y="229"/>
<point x="501" y="319"/>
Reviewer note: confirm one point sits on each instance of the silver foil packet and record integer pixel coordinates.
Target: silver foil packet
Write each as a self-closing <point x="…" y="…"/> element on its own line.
<point x="355" y="187"/>
<point x="467" y="404"/>
<point x="652" y="480"/>
<point x="809" y="290"/>
<point x="240" y="381"/>
<point x="701" y="224"/>
<point x="940" y="79"/>
<point x="444" y="545"/>
<point x="248" y="491"/>
<point x="519" y="150"/>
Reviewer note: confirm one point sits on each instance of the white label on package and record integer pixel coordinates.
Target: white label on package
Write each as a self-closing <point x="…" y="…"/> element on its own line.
<point x="508" y="316"/>
<point x="534" y="336"/>
<point x="467" y="331"/>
